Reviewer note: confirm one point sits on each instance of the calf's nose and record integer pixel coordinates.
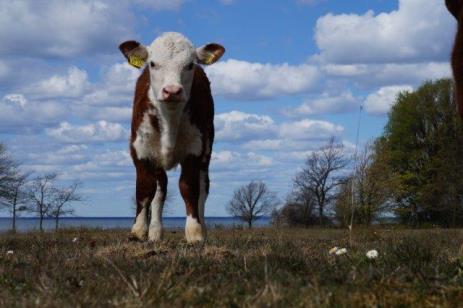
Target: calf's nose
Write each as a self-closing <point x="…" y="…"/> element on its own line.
<point x="171" y="91"/>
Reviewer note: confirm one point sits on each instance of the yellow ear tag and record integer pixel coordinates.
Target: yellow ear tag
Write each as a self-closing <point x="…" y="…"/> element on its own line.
<point x="210" y="58"/>
<point x="136" y="61"/>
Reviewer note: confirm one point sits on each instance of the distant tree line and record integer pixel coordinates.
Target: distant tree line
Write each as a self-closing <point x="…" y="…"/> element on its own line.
<point x="39" y="195"/>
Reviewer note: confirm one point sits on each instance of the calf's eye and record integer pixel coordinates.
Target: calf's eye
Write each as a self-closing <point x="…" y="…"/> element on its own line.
<point x="153" y="65"/>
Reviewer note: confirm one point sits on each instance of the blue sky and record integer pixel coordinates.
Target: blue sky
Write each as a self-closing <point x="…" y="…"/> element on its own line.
<point x="294" y="74"/>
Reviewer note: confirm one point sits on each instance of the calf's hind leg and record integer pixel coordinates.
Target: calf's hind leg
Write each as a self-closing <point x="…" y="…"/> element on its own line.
<point x="190" y="189"/>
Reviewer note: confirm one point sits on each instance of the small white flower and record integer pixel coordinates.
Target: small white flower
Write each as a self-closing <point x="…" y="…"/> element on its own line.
<point x="75" y="240"/>
<point x="9" y="252"/>
<point x="333" y="250"/>
<point x="341" y="251"/>
<point x="372" y="254"/>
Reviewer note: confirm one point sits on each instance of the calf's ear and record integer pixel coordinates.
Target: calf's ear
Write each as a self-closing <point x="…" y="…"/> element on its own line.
<point x="209" y="53"/>
<point x="454" y="7"/>
<point x="134" y="52"/>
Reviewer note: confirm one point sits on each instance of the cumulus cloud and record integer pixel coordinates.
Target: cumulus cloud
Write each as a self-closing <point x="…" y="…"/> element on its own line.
<point x="243" y="80"/>
<point x="382" y="100"/>
<point x="116" y="87"/>
<point x="58" y="28"/>
<point x="101" y="131"/>
<point x="225" y="160"/>
<point x="414" y="32"/>
<point x="260" y="132"/>
<point x="309" y="130"/>
<point x="73" y="84"/>
<point x="18" y="114"/>
<point x="237" y="125"/>
<point x="326" y="103"/>
<point x="377" y="75"/>
<point x="159" y="5"/>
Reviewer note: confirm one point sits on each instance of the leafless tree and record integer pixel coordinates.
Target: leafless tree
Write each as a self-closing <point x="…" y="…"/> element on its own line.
<point x="16" y="198"/>
<point x="60" y="201"/>
<point x="41" y="194"/>
<point x="299" y="210"/>
<point x="320" y="175"/>
<point x="251" y="201"/>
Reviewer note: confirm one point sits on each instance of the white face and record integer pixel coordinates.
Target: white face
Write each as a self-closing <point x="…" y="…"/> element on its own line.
<point x="171" y="64"/>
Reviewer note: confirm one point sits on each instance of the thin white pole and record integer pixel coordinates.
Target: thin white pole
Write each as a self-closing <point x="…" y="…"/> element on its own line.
<point x="354" y="174"/>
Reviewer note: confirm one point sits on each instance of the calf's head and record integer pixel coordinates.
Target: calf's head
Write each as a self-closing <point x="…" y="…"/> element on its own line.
<point x="171" y="60"/>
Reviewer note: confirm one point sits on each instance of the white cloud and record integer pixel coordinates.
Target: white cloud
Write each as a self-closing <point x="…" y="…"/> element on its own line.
<point x="116" y="87"/>
<point x="261" y="132"/>
<point x="226" y="160"/>
<point x="159" y="5"/>
<point x="309" y="130"/>
<point x="73" y="84"/>
<point x="58" y="28"/>
<point x="367" y="76"/>
<point x="237" y="125"/>
<point x="382" y="100"/>
<point x="101" y="131"/>
<point x="414" y="32"/>
<point x="266" y="144"/>
<point x="236" y="79"/>
<point x="326" y="103"/>
<point x="18" y="114"/>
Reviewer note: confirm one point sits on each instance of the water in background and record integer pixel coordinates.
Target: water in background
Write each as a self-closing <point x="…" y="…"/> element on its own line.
<point x="30" y="224"/>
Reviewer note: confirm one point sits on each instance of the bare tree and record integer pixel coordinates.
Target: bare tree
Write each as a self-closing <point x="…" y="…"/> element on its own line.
<point x="320" y="175"/>
<point x="251" y="201"/>
<point x="16" y="198"/>
<point x="41" y="194"/>
<point x="61" y="199"/>
<point x="299" y="210"/>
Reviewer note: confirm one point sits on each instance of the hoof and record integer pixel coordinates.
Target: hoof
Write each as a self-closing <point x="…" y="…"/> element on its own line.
<point x="133" y="238"/>
<point x="194" y="231"/>
<point x="155" y="234"/>
<point x="138" y="233"/>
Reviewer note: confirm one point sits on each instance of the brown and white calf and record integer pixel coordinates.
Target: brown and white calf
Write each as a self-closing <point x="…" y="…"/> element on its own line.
<point x="172" y="123"/>
<point x="455" y="7"/>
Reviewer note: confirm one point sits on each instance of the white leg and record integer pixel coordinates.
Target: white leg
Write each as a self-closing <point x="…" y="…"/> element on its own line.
<point x="140" y="227"/>
<point x="155" y="231"/>
<point x="196" y="231"/>
<point x="193" y="230"/>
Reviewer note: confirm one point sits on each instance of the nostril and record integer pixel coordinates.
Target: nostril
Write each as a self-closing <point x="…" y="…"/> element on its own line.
<point x="172" y="90"/>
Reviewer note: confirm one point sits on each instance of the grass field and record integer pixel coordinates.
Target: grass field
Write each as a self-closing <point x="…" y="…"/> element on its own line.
<point x="262" y="267"/>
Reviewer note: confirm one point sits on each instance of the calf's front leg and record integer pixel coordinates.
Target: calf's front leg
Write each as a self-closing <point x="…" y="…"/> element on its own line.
<point x="155" y="232"/>
<point x="195" y="230"/>
<point x="146" y="187"/>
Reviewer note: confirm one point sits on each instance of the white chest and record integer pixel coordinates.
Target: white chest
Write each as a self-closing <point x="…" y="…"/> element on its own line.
<point x="169" y="145"/>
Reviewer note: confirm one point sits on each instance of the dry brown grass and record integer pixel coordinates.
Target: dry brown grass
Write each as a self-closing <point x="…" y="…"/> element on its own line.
<point x="262" y="267"/>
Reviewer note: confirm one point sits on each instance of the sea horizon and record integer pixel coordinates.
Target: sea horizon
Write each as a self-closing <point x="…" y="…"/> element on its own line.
<point x="24" y="224"/>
